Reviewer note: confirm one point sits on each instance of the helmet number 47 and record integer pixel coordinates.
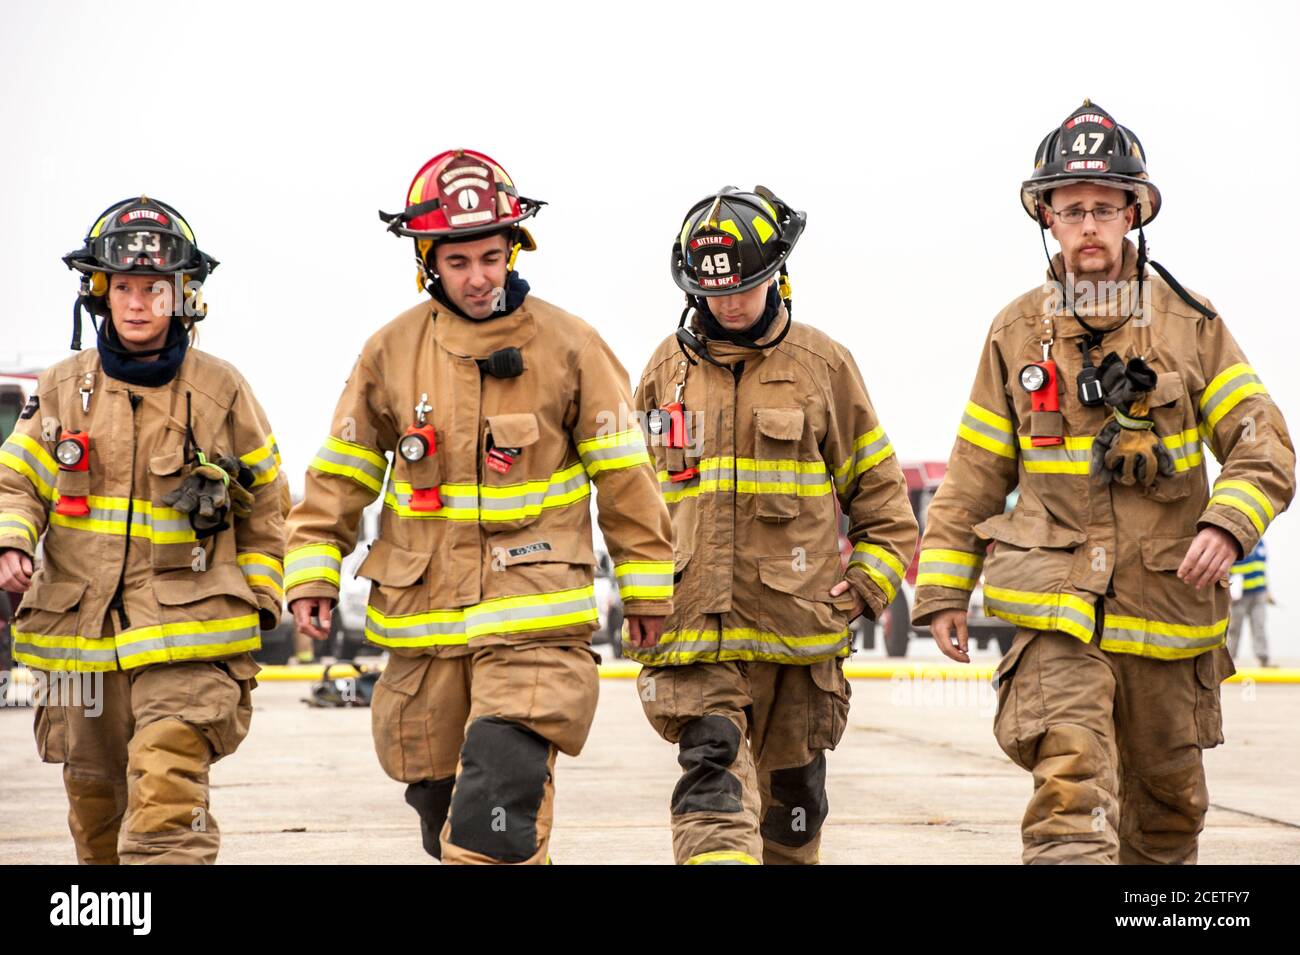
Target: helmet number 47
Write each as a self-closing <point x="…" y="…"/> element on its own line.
<point x="1082" y="147"/>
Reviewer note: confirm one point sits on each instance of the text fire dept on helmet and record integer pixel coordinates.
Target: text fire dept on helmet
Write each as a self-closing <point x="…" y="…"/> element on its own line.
<point x="148" y="472"/>
<point x="500" y="411"/>
<point x="1097" y="396"/>
<point x="759" y="425"/>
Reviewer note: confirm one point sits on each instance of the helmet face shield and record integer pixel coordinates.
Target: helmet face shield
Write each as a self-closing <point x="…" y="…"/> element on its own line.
<point x="145" y="250"/>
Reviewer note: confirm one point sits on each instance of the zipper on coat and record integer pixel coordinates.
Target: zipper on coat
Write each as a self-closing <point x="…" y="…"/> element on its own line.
<point x="116" y="603"/>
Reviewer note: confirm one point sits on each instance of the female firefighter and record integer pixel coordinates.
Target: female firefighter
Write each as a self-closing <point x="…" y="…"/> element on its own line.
<point x="148" y="471"/>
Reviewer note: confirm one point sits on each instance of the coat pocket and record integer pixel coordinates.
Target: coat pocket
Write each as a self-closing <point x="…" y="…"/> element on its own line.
<point x="775" y="479"/>
<point x="1026" y="578"/>
<point x="175" y="545"/>
<point x="191" y="604"/>
<point x="398" y="578"/>
<point x="1169" y="600"/>
<point x="1176" y="424"/>
<point x="401" y="722"/>
<point x="51" y="608"/>
<point x="802" y="605"/>
<point x="520" y="476"/>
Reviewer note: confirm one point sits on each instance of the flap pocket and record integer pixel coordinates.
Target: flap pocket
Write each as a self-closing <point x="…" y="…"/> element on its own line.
<point x="828" y="675"/>
<point x="531" y="547"/>
<point x="1165" y="553"/>
<point x="780" y="424"/>
<point x="73" y="483"/>
<point x="242" y="667"/>
<point x="165" y="464"/>
<point x="393" y="566"/>
<point x="1214" y="667"/>
<point x="513" y="430"/>
<point x="1028" y="529"/>
<point x="775" y="373"/>
<point x="1008" y="664"/>
<point x="1169" y="388"/>
<point x="404" y="674"/>
<point x="812" y="578"/>
<point x="181" y="587"/>
<point x="54" y="595"/>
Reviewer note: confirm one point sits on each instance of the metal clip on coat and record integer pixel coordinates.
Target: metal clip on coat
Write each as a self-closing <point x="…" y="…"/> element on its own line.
<point x="73" y="453"/>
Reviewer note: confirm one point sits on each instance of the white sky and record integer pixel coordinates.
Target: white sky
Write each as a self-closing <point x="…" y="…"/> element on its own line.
<point x="278" y="130"/>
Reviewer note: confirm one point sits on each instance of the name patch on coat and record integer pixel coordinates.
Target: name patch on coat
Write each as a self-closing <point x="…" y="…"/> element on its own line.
<point x="529" y="548"/>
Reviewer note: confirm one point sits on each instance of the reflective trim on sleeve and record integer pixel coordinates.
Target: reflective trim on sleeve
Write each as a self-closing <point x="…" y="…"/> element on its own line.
<point x="16" y="523"/>
<point x="312" y="562"/>
<point x="1227" y="390"/>
<point x="1244" y="497"/>
<point x="881" y="566"/>
<point x="26" y="456"/>
<point x="263" y="462"/>
<point x="948" y="568"/>
<point x="868" y="451"/>
<point x="262" y="570"/>
<point x="645" y="580"/>
<point x="611" y="452"/>
<point x="987" y="430"/>
<point x="364" y="465"/>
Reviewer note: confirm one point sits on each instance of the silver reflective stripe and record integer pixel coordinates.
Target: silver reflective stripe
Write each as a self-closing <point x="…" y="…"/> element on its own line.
<point x="263" y="570"/>
<point x="18" y="526"/>
<point x="1125" y="635"/>
<point x="952" y="570"/>
<point x="482" y="618"/>
<point x="31" y="460"/>
<point x="129" y="648"/>
<point x="1038" y="610"/>
<point x="449" y="501"/>
<point x="781" y="475"/>
<point x="644" y="580"/>
<point x="62" y="653"/>
<point x="1239" y="495"/>
<point x="428" y="628"/>
<point x="988" y="430"/>
<point x="871" y="560"/>
<point x="1226" y="389"/>
<point x="351" y="461"/>
<point x="534" y="498"/>
<point x="1058" y="453"/>
<point x="294" y="564"/>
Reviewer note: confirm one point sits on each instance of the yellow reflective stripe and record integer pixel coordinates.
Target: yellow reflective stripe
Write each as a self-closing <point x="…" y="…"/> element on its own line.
<point x="499" y="615"/>
<point x="262" y="570"/>
<point x="1072" y="456"/>
<point x="1244" y="497"/>
<point x="612" y="452"/>
<point x="357" y="462"/>
<point x="1185" y="449"/>
<point x="264" y="462"/>
<point x="242" y="634"/>
<point x="881" y="566"/>
<point x="938" y="567"/>
<point x="1172" y="641"/>
<point x="1227" y="390"/>
<point x="157" y="524"/>
<point x="1254" y="565"/>
<point x="9" y="523"/>
<point x="312" y="562"/>
<point x="1040" y="611"/>
<point x="737" y="643"/>
<point x="987" y="430"/>
<point x="868" y="451"/>
<point x="20" y="452"/>
<point x="714" y="858"/>
<point x="471" y="502"/>
<point x="644" y="579"/>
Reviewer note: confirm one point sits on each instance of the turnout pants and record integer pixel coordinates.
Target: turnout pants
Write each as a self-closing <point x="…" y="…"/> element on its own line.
<point x="1114" y="744"/>
<point x="752" y="740"/>
<point x="475" y="739"/>
<point x="136" y="746"/>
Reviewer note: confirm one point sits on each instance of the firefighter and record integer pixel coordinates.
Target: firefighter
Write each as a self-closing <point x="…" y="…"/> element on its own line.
<point x="1097" y="395"/>
<point x="759" y="426"/>
<point x="499" y="411"/>
<point x="148" y="472"/>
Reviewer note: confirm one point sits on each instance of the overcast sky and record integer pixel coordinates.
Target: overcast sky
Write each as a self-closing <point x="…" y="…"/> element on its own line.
<point x="278" y="130"/>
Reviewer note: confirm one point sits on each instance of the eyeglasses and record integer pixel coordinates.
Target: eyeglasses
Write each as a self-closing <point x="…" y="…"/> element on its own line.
<point x="1100" y="214"/>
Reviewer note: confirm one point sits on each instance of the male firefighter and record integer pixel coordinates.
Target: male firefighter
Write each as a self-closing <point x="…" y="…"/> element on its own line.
<point x="1095" y="396"/>
<point x="759" y="426"/>
<point x="500" y="410"/>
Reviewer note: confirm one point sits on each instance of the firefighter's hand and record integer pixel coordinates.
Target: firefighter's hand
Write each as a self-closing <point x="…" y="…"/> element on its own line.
<point x="15" y="571"/>
<point x="859" y="605"/>
<point x="1211" y="555"/>
<point x="644" y="632"/>
<point x="304" y="608"/>
<point x="944" y="626"/>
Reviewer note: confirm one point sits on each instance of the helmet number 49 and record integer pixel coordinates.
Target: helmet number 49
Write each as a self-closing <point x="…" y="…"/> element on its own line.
<point x="1082" y="147"/>
<point x="717" y="264"/>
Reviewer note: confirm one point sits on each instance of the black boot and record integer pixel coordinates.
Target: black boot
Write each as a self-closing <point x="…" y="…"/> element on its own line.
<point x="431" y="798"/>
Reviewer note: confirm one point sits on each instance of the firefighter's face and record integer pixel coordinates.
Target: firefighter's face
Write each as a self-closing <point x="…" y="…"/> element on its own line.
<point x="737" y="312"/>
<point x="141" y="306"/>
<point x="474" y="274"/>
<point x="1091" y="248"/>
